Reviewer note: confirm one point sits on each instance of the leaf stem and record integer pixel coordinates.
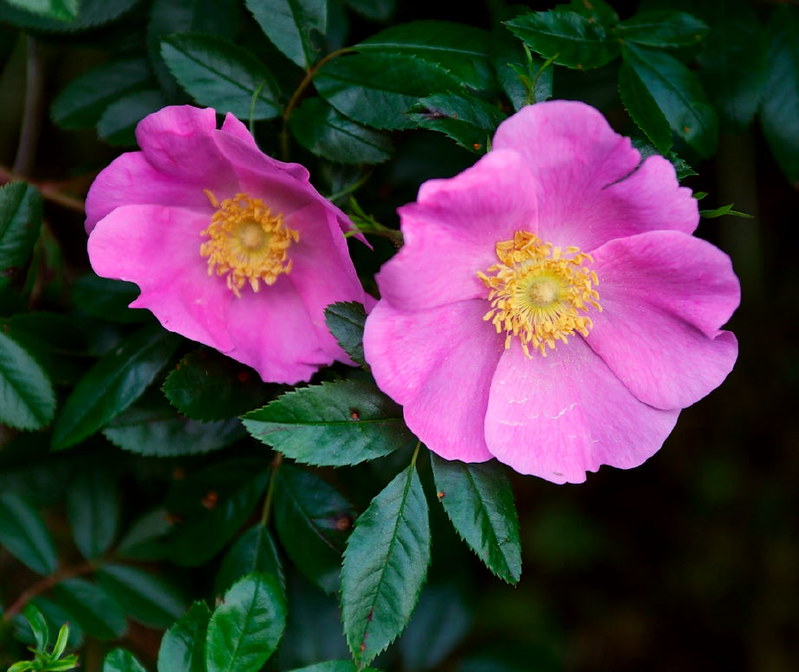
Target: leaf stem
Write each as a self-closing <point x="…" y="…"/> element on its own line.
<point x="32" y="112"/>
<point x="266" y="512"/>
<point x="47" y="189"/>
<point x="416" y="453"/>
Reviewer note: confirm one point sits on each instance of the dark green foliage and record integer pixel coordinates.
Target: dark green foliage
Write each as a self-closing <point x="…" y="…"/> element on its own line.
<point x="346" y="322"/>
<point x="24" y="534"/>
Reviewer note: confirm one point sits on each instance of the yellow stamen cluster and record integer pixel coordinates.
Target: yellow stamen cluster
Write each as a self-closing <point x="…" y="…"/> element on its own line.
<point x="538" y="292"/>
<point x="246" y="242"/>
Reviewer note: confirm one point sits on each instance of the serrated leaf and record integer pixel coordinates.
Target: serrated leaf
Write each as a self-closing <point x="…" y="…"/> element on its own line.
<point x="679" y="95"/>
<point x="206" y="385"/>
<point x="346" y="321"/>
<point x="91" y="13"/>
<point x="81" y="103"/>
<point x="253" y="551"/>
<point x="93" y="512"/>
<point x="221" y="74"/>
<point x="567" y="37"/>
<point x="332" y="424"/>
<point x="183" y="645"/>
<point x="469" y="121"/>
<point x="91" y="607"/>
<point x="357" y="86"/>
<point x="326" y="132"/>
<point x="313" y="521"/>
<point x="113" y="384"/>
<point x="20" y="223"/>
<point x="662" y="28"/>
<point x="458" y="48"/>
<point x="117" y="125"/>
<point x="145" y="597"/>
<point x="296" y="27"/>
<point x="245" y="629"/>
<point x="643" y="109"/>
<point x="27" y="399"/>
<point x="779" y="111"/>
<point x="479" y="501"/>
<point x="120" y="660"/>
<point x="24" y="534"/>
<point x="385" y="565"/>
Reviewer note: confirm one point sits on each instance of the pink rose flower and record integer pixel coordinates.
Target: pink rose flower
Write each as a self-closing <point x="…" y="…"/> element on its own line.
<point x="550" y="307"/>
<point x="229" y="247"/>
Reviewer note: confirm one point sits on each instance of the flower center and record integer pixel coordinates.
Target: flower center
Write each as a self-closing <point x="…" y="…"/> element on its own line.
<point x="538" y="292"/>
<point x="246" y="242"/>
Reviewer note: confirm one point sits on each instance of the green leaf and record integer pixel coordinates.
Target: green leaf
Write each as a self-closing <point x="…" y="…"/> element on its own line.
<point x="357" y="86"/>
<point x="779" y="111"/>
<point x="375" y="10"/>
<point x="206" y="385"/>
<point x="183" y="645"/>
<point x="325" y="132"/>
<point x="59" y="10"/>
<point x="296" y="27"/>
<point x="313" y="521"/>
<point x="385" y="565"/>
<point x="346" y="320"/>
<point x="25" y="535"/>
<point x="120" y="660"/>
<point x="335" y="666"/>
<point x="20" y="223"/>
<point x="567" y="37"/>
<point x="38" y="626"/>
<point x="245" y="629"/>
<point x="662" y="28"/>
<point x="108" y="299"/>
<point x="253" y="551"/>
<point x="724" y="210"/>
<point x="462" y="50"/>
<point x="524" y="78"/>
<point x="145" y="597"/>
<point x="643" y="108"/>
<point x="113" y="384"/>
<point x="152" y="427"/>
<point x="27" y="399"/>
<point x="479" y="501"/>
<point x="92" y="13"/>
<point x="91" y="607"/>
<point x="117" y="125"/>
<point x="93" y="511"/>
<point x="332" y="424"/>
<point x="221" y="74"/>
<point x="597" y="11"/>
<point x="469" y="121"/>
<point x="679" y="95"/>
<point x="81" y="103"/>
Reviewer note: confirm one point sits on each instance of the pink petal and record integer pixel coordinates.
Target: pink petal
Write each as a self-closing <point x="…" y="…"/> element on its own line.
<point x="437" y="363"/>
<point x="665" y="295"/>
<point x="452" y="231"/>
<point x="237" y="129"/>
<point x="587" y="190"/>
<point x="559" y="416"/>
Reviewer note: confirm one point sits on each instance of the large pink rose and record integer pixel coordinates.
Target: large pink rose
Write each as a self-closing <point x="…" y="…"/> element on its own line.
<point x="229" y="247"/>
<point x="550" y="307"/>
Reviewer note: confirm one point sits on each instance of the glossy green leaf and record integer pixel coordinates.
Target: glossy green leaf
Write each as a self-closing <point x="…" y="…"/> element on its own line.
<point x="24" y="534"/>
<point x="20" y="223"/>
<point x="117" y="125"/>
<point x="91" y="13"/>
<point x="183" y="645"/>
<point x="145" y="597"/>
<point x="357" y="86"/>
<point x="253" y="551"/>
<point x="108" y="299"/>
<point x="113" y="384"/>
<point x="779" y="111"/>
<point x="93" y="511"/>
<point x="469" y="121"/>
<point x="38" y="626"/>
<point x="643" y="108"/>
<point x="332" y="424"/>
<point x="479" y="501"/>
<point x="206" y="385"/>
<point x="81" y="103"/>
<point x="525" y="78"/>
<point x="662" y="28"/>
<point x="59" y="10"/>
<point x="296" y="27"/>
<point x="245" y="629"/>
<point x="346" y="321"/>
<point x="221" y="74"/>
<point x="324" y="131"/>
<point x="567" y="37"/>
<point x="27" y="399"/>
<point x="385" y="565"/>
<point x="313" y="521"/>
<point x="91" y="607"/>
<point x="120" y="660"/>
<point x="678" y="93"/>
<point x="461" y="49"/>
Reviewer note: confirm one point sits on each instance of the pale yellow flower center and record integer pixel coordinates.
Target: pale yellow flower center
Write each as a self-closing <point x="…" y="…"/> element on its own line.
<point x="539" y="292"/>
<point x="247" y="243"/>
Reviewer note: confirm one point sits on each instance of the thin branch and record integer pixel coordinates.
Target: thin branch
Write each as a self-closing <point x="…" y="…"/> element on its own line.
<point x="33" y="110"/>
<point x="44" y="585"/>
<point x="49" y="190"/>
